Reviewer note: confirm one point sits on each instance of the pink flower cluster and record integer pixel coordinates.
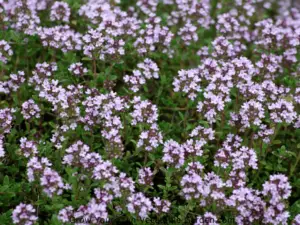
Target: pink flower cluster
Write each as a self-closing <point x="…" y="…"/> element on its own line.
<point x="145" y="71"/>
<point x="115" y="185"/>
<point x="233" y="100"/>
<point x="5" y="51"/>
<point x="24" y="214"/>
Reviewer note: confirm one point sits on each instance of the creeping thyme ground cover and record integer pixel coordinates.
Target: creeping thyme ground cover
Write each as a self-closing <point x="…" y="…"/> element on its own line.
<point x="149" y="112"/>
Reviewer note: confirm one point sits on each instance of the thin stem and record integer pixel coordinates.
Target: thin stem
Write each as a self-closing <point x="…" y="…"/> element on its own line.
<point x="251" y="140"/>
<point x="175" y="109"/>
<point x="223" y="120"/>
<point x="295" y="165"/>
<point x="146" y="158"/>
<point x="261" y="148"/>
<point x="94" y="68"/>
<point x="237" y="100"/>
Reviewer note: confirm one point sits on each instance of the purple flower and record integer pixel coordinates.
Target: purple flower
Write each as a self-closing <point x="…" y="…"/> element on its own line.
<point x="60" y="11"/>
<point x="173" y="154"/>
<point x="145" y="176"/>
<point x="30" y="110"/>
<point x="24" y="214"/>
<point x="139" y="204"/>
<point x="5" y="51"/>
<point x="28" y="148"/>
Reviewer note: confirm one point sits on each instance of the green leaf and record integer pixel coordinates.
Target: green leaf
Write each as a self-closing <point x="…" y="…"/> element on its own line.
<point x="6" y="180"/>
<point x="86" y="59"/>
<point x="276" y="142"/>
<point x="161" y="187"/>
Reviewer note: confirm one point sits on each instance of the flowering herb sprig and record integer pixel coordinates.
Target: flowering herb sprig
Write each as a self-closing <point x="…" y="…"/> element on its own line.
<point x="149" y="111"/>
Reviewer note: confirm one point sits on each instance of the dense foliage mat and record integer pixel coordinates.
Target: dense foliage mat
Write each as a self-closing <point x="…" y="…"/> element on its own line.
<point x="149" y="112"/>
